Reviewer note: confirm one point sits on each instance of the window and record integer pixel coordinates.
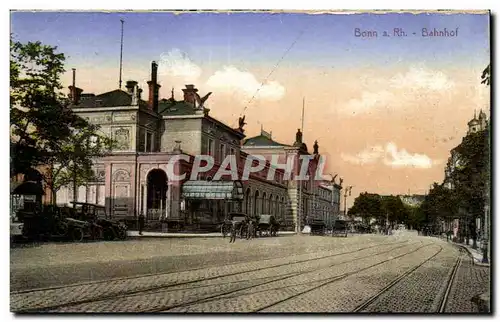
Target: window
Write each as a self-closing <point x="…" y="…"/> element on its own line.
<point x="222" y="152"/>
<point x="149" y="142"/>
<point x="142" y="140"/>
<point x="210" y="147"/>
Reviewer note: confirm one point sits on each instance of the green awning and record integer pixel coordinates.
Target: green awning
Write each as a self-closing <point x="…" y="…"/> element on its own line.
<point x="212" y="190"/>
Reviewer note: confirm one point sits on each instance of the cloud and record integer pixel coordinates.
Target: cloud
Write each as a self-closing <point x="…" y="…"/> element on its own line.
<point x="177" y="63"/>
<point x="232" y="80"/>
<point x="420" y="78"/>
<point x="390" y="156"/>
<point x="368" y="101"/>
<point x="398" y="90"/>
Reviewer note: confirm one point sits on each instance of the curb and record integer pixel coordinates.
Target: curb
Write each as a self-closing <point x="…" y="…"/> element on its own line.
<point x="472" y="256"/>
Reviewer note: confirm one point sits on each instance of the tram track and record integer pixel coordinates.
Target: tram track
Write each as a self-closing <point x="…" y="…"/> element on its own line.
<point x="165" y="288"/>
<point x="197" y="269"/>
<point x="394" y="283"/>
<point x="323" y="282"/>
<point x="451" y="279"/>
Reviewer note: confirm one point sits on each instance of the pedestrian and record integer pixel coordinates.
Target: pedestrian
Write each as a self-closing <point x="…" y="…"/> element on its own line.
<point x="141" y="223"/>
<point x="250" y="232"/>
<point x="233" y="231"/>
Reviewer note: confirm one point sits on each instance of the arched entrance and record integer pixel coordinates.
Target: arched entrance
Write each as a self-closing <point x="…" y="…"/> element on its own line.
<point x="157" y="186"/>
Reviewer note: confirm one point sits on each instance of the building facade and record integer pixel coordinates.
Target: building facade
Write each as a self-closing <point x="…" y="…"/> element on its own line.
<point x="149" y="135"/>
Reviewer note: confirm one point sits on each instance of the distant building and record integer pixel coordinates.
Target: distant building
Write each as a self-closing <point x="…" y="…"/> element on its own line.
<point x="412" y="200"/>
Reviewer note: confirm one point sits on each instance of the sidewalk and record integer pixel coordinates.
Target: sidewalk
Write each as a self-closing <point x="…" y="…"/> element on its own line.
<point x="476" y="254"/>
<point x="149" y="234"/>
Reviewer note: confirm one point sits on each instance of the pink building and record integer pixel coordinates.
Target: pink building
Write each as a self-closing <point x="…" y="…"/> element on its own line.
<point x="133" y="178"/>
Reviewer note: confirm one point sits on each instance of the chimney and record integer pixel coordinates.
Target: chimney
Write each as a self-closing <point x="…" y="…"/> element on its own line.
<point x="190" y="94"/>
<point x="130" y="86"/>
<point x="153" y="87"/>
<point x="74" y="92"/>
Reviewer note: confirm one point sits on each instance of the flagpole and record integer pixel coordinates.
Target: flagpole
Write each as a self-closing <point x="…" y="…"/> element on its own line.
<point x="121" y="56"/>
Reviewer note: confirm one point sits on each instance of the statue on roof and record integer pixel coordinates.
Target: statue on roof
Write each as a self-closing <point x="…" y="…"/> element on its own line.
<point x="340" y="181"/>
<point x="298" y="136"/>
<point x="201" y="100"/>
<point x="315" y="147"/>
<point x="334" y="177"/>
<point x="241" y="123"/>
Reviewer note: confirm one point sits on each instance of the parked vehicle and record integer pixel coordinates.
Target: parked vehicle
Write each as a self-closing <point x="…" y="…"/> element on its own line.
<point x="318" y="227"/>
<point x="42" y="224"/>
<point x="101" y="226"/>
<point x="227" y="225"/>
<point x="340" y="228"/>
<point x="267" y="225"/>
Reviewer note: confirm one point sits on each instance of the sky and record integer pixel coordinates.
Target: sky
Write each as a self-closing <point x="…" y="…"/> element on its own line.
<point x="386" y="110"/>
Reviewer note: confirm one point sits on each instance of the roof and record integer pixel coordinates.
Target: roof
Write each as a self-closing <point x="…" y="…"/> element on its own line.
<point x="170" y="107"/>
<point x="262" y="140"/>
<point x="474" y="121"/>
<point x="113" y="98"/>
<point x="212" y="190"/>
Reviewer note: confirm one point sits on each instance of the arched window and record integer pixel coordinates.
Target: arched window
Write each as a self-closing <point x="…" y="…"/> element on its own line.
<point x="248" y="201"/>
<point x="256" y="203"/>
<point x="264" y="203"/>
<point x="277" y="206"/>
<point x="283" y="209"/>
<point x="270" y="203"/>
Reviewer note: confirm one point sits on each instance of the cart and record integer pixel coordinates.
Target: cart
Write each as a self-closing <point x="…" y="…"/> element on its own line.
<point x="267" y="225"/>
<point x="340" y="228"/>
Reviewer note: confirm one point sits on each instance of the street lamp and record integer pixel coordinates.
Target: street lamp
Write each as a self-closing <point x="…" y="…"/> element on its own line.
<point x="347" y="191"/>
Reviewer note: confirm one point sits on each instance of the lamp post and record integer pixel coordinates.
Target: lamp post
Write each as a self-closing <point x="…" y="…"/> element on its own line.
<point x="347" y="191"/>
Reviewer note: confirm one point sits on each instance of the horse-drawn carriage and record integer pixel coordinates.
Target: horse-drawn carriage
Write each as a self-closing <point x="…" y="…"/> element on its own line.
<point x="267" y="225"/>
<point x="264" y="225"/>
<point x="318" y="227"/>
<point x="340" y="228"/>
<point x="241" y="220"/>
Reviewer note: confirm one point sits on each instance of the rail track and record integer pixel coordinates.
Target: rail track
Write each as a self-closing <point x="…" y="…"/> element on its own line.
<point x="165" y="288"/>
<point x="443" y="300"/>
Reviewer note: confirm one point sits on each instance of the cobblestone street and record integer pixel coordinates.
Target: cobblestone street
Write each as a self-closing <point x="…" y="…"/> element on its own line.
<point x="360" y="273"/>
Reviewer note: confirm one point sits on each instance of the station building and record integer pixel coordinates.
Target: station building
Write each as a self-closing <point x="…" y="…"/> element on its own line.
<point x="132" y="179"/>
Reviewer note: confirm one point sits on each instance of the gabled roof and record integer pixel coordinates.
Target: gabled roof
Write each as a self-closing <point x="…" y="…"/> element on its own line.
<point x="262" y="140"/>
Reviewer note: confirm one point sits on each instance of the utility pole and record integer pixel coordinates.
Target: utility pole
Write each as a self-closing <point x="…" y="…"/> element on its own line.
<point x="347" y="191"/>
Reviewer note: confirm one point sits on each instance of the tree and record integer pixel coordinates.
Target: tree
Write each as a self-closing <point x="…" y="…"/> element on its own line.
<point x="367" y="206"/>
<point x="416" y="217"/>
<point x="76" y="159"/>
<point x="43" y="127"/>
<point x="439" y="204"/>
<point x="472" y="176"/>
<point x="394" y="209"/>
